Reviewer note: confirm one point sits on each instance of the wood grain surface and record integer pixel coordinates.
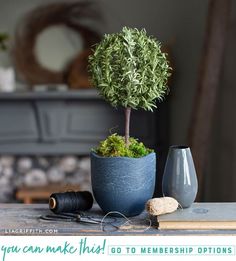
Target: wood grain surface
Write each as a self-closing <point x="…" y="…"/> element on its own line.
<point x="22" y="219"/>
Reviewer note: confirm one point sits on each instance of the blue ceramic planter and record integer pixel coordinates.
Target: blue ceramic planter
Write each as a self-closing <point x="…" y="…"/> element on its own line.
<point x="123" y="184"/>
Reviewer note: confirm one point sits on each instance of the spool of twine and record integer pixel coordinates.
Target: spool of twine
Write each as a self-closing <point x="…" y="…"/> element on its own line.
<point x="70" y="202"/>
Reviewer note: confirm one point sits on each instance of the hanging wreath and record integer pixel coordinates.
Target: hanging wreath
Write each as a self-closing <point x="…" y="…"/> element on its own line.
<point x="74" y="16"/>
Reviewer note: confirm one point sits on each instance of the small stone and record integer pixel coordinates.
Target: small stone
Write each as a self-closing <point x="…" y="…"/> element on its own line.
<point x="24" y="164"/>
<point x="85" y="164"/>
<point x="55" y="175"/>
<point x="4" y="181"/>
<point x="68" y="164"/>
<point x="8" y="172"/>
<point x="35" y="177"/>
<point x="7" y="161"/>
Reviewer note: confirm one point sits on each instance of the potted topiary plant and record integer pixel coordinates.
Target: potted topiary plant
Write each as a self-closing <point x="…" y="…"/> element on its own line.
<point x="129" y="70"/>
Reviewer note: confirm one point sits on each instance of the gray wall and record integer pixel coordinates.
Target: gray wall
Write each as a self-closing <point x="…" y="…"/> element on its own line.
<point x="179" y="23"/>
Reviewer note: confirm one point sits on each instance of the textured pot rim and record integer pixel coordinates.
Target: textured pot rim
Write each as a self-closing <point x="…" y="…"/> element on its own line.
<point x="101" y="157"/>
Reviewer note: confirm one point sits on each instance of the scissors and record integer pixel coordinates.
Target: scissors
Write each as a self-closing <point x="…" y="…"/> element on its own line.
<point x="80" y="218"/>
<point x="70" y="217"/>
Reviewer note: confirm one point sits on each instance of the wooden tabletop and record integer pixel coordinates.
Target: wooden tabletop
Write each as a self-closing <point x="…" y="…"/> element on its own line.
<point x="24" y="219"/>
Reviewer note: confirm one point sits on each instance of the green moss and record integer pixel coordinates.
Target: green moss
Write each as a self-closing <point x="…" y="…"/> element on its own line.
<point x="114" y="146"/>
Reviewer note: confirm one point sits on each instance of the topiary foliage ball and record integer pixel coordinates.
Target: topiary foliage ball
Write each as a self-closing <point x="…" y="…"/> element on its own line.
<point x="129" y="69"/>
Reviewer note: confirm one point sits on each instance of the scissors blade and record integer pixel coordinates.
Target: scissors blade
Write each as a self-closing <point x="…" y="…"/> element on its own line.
<point x="88" y="220"/>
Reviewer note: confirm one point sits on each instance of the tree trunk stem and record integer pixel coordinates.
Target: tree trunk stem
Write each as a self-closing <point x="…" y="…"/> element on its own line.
<point x="127" y="124"/>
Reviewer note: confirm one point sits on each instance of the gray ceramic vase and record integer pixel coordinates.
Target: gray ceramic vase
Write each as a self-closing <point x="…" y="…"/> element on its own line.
<point x="123" y="184"/>
<point x="180" y="179"/>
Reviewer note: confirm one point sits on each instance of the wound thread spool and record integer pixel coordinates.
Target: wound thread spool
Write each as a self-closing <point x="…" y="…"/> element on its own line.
<point x="52" y="203"/>
<point x="70" y="202"/>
